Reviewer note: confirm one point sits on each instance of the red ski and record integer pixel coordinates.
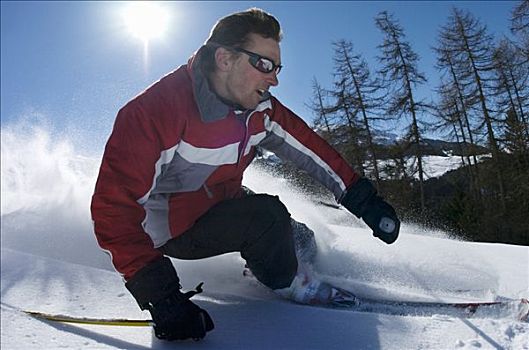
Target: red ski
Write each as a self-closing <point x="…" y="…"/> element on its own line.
<point x="494" y="309"/>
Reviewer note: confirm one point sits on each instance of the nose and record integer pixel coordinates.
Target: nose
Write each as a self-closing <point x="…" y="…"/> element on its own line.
<point x="272" y="79"/>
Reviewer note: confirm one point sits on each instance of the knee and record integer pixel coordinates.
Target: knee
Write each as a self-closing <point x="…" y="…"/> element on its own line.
<point x="270" y="219"/>
<point x="274" y="208"/>
<point x="270" y="211"/>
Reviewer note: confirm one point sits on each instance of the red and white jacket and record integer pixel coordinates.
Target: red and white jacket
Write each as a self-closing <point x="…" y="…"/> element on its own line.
<point x="176" y="150"/>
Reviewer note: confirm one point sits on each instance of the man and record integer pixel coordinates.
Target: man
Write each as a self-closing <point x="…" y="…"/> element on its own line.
<point x="170" y="179"/>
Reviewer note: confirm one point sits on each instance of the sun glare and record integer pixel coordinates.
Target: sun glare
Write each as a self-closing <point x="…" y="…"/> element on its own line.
<point x="146" y="20"/>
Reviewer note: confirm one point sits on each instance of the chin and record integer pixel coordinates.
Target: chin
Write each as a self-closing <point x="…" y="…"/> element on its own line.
<point x="251" y="102"/>
<point x="252" y="105"/>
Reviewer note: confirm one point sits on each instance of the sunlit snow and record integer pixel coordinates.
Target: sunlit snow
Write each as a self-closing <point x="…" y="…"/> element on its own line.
<point x="51" y="263"/>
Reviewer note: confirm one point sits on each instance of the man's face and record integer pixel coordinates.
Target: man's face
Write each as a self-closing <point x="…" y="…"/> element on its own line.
<point x="245" y="84"/>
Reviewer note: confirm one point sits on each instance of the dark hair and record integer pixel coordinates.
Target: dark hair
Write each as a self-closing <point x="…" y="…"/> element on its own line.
<point x="233" y="31"/>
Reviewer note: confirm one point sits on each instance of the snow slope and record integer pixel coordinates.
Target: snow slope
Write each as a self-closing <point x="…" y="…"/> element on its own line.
<point x="50" y="262"/>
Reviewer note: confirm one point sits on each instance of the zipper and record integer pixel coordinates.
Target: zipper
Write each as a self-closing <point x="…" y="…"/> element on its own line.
<point x="208" y="191"/>
<point x="242" y="147"/>
<point x="245" y="139"/>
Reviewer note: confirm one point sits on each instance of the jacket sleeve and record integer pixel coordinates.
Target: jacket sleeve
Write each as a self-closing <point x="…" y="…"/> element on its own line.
<point x="125" y="177"/>
<point x="290" y="138"/>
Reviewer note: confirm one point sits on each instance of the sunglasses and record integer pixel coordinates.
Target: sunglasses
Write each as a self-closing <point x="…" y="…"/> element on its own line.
<point x="261" y="63"/>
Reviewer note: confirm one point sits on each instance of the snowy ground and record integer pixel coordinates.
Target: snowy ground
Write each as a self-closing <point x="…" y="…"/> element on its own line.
<point x="51" y="263"/>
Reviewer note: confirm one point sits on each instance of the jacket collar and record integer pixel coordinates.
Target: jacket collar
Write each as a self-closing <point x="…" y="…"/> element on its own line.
<point x="211" y="106"/>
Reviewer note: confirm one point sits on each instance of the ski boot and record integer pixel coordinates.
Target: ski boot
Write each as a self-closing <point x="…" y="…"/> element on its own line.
<point x="309" y="290"/>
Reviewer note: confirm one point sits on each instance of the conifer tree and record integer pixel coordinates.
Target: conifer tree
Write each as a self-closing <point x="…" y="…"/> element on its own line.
<point x="512" y="83"/>
<point x="318" y="105"/>
<point x="469" y="45"/>
<point x="357" y="89"/>
<point x="520" y="26"/>
<point x="400" y="71"/>
<point x="457" y="77"/>
<point x="350" y="126"/>
<point x="452" y="118"/>
<point x="456" y="99"/>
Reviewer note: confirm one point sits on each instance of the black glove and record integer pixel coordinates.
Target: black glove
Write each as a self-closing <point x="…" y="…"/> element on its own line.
<point x="156" y="288"/>
<point x="362" y="200"/>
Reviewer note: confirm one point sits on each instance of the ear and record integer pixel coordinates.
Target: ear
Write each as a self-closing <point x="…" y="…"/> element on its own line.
<point x="223" y="59"/>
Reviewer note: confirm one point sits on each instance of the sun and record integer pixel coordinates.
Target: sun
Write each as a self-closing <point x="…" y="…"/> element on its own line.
<point x="145" y="20"/>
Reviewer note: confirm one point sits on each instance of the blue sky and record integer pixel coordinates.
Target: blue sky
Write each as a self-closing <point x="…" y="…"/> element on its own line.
<point x="72" y="65"/>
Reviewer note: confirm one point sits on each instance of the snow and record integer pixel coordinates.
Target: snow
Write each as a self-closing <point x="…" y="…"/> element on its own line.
<point x="433" y="166"/>
<point x="50" y="262"/>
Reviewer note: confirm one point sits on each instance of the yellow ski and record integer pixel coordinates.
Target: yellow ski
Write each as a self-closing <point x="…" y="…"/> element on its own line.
<point x="92" y="321"/>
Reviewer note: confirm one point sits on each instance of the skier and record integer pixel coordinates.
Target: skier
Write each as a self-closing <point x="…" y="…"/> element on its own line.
<point x="170" y="178"/>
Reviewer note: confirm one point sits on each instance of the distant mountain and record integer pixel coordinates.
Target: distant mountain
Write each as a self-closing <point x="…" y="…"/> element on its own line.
<point x="428" y="147"/>
<point x="445" y="148"/>
<point x="385" y="140"/>
<point x="439" y="157"/>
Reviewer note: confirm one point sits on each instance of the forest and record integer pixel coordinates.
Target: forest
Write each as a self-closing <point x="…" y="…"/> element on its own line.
<point x="482" y="105"/>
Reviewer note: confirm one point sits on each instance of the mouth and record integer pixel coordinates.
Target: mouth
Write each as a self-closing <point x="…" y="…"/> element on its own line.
<point x="263" y="93"/>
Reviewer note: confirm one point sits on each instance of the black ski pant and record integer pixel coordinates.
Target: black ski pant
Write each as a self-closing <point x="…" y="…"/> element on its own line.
<point x="257" y="225"/>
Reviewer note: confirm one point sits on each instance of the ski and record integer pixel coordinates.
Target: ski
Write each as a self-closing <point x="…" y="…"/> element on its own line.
<point x="90" y="321"/>
<point x="519" y="308"/>
<point x="346" y="300"/>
